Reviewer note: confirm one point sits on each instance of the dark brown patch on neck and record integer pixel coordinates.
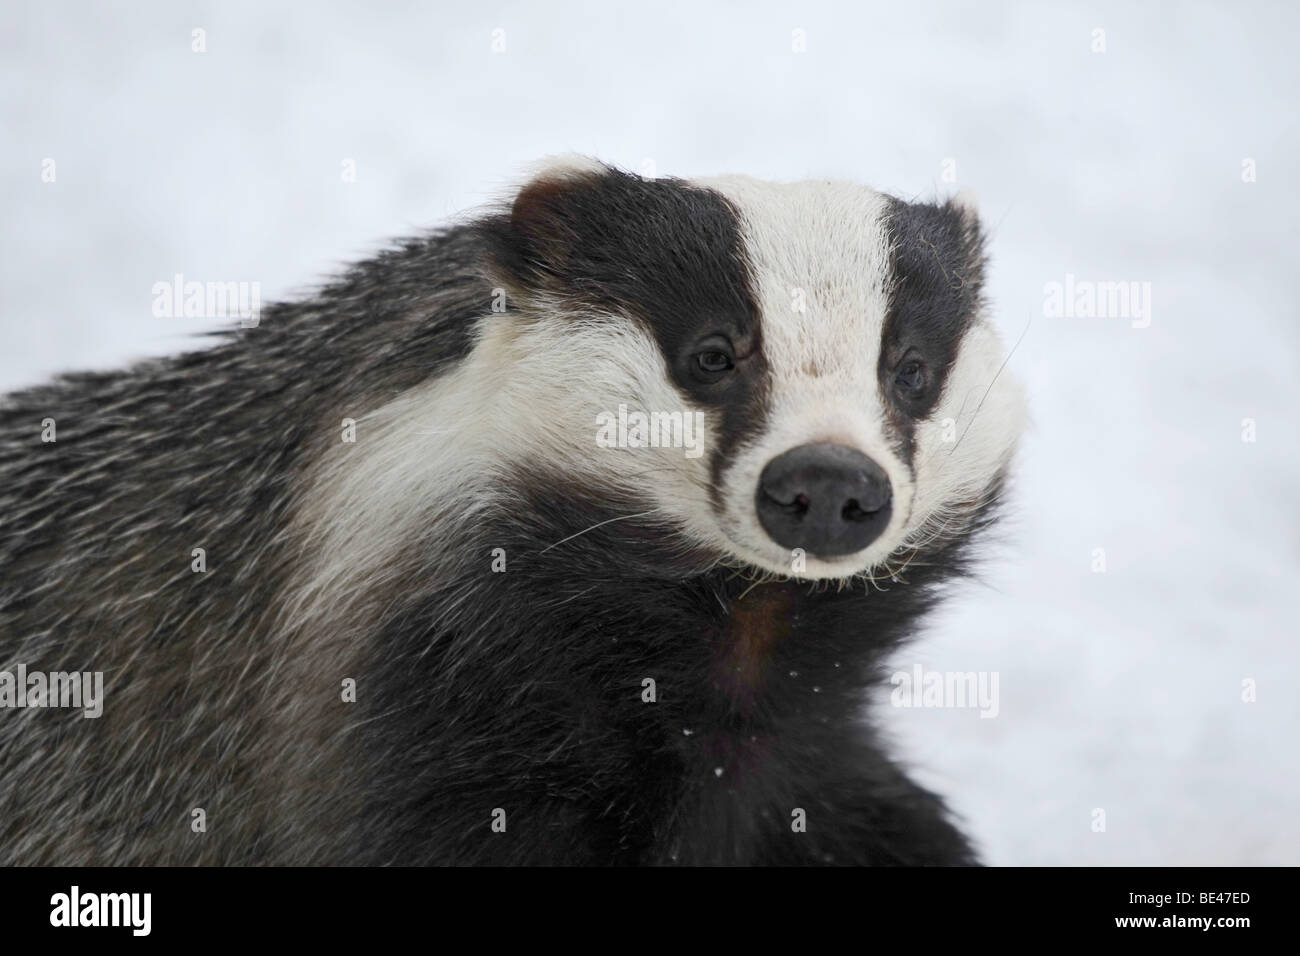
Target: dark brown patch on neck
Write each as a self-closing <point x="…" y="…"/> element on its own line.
<point x="760" y="619"/>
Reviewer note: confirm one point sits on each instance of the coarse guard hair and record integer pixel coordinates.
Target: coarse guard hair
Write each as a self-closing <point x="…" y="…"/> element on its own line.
<point x="575" y="533"/>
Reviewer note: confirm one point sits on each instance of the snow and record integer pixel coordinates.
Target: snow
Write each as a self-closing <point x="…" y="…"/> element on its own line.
<point x="1120" y="691"/>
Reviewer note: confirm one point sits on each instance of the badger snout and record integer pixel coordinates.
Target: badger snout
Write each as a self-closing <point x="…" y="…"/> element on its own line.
<point x="827" y="499"/>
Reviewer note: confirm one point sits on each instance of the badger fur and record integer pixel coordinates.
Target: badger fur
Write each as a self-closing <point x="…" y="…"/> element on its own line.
<point x="563" y="653"/>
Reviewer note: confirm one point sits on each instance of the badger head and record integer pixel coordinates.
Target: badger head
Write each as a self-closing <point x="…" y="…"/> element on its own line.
<point x="797" y="378"/>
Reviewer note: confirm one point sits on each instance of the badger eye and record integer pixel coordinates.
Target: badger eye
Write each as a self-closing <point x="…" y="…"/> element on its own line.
<point x="713" y="360"/>
<point x="911" y="376"/>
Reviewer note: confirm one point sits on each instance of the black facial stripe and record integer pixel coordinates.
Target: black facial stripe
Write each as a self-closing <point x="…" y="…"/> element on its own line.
<point x="937" y="272"/>
<point x="664" y="252"/>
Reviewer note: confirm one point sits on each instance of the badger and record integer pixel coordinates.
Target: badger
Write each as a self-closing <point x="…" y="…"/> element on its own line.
<point x="454" y="603"/>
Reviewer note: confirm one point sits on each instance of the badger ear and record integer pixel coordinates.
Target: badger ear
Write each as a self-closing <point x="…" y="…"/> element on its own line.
<point x="938" y="248"/>
<point x="533" y="245"/>
<point x="968" y="244"/>
<point x="581" y="236"/>
<point x="965" y="206"/>
<point x="966" y="202"/>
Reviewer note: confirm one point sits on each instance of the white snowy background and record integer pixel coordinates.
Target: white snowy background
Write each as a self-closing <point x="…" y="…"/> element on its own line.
<point x="1119" y="690"/>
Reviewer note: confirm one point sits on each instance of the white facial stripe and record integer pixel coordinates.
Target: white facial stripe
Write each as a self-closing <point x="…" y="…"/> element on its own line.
<point x="527" y="396"/>
<point x="820" y="256"/>
<point x="971" y="432"/>
<point x="530" y="392"/>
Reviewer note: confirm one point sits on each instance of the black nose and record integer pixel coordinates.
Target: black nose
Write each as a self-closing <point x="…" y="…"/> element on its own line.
<point x="827" y="499"/>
